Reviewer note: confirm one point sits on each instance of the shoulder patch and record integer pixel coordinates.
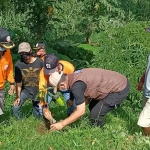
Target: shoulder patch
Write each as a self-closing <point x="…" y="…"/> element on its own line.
<point x="5" y="67"/>
<point x="78" y="71"/>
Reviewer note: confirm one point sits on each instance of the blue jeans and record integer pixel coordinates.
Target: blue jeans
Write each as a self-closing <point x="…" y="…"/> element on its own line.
<point x="66" y="97"/>
<point x="17" y="109"/>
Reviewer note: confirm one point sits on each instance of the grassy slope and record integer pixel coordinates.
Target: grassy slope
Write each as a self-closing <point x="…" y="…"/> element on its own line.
<point x="124" y="50"/>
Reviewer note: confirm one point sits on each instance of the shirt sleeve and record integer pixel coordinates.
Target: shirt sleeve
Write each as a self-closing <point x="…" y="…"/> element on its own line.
<point x="42" y="80"/>
<point x="10" y="70"/>
<point x="146" y="91"/>
<point x="18" y="74"/>
<point x="77" y="91"/>
<point x="71" y="96"/>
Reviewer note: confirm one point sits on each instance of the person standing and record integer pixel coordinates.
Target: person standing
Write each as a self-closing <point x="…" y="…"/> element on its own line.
<point x="29" y="78"/>
<point x="144" y="117"/>
<point x="6" y="66"/>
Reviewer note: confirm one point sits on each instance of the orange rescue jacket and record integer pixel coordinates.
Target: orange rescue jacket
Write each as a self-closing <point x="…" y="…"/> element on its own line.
<point x="6" y="69"/>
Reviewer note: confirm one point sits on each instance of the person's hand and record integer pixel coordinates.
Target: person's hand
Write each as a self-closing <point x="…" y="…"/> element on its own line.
<point x="47" y="114"/>
<point x="139" y="86"/>
<point x="57" y="126"/>
<point x="12" y="90"/>
<point x="16" y="102"/>
<point x="70" y="103"/>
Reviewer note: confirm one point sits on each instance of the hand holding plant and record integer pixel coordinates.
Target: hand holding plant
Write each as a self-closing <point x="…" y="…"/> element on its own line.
<point x="47" y="114"/>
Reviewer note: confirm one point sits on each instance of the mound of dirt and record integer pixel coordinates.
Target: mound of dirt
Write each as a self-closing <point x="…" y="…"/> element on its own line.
<point x="43" y="127"/>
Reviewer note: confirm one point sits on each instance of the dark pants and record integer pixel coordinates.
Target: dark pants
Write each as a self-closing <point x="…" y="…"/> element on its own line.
<point x="99" y="108"/>
<point x="23" y="98"/>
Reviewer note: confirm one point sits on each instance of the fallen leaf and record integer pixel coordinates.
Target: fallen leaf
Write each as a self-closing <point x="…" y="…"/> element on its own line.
<point x="87" y="139"/>
<point x="0" y="143"/>
<point x="93" y="142"/>
<point x="123" y="134"/>
<point x="131" y="138"/>
<point x="50" y="147"/>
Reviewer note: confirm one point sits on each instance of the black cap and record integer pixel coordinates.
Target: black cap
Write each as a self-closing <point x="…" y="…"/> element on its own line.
<point x="40" y="45"/>
<point x="5" y="40"/>
<point x="50" y="63"/>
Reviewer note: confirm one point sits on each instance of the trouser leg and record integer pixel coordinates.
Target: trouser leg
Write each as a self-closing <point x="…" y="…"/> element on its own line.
<point x="2" y="96"/>
<point x="17" y="109"/>
<point x="36" y="111"/>
<point x="98" y="111"/>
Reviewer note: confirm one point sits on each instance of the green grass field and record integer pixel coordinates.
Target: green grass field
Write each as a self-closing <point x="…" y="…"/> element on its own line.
<point x="123" y="49"/>
<point x="121" y="131"/>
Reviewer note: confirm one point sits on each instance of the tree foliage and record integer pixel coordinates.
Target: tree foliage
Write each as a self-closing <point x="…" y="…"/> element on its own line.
<point x="38" y="14"/>
<point x="65" y="25"/>
<point x="67" y="17"/>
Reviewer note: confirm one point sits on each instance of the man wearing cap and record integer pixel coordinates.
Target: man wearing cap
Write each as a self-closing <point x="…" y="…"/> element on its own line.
<point x="104" y="90"/>
<point x="40" y="50"/>
<point x="52" y="64"/>
<point x="6" y="68"/>
<point x="29" y="79"/>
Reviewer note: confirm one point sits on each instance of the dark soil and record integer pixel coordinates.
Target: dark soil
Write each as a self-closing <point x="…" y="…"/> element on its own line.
<point x="44" y="126"/>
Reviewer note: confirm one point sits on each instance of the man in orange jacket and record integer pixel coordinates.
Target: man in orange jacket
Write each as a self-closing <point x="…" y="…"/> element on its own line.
<point x="6" y="65"/>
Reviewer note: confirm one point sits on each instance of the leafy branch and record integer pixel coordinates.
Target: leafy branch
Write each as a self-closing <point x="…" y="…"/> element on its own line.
<point x="42" y="96"/>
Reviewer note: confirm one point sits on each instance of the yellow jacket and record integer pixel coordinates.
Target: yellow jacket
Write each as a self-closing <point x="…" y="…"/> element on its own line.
<point x="68" y="68"/>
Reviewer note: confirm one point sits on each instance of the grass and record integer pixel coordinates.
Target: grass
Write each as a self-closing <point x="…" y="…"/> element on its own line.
<point x="121" y="131"/>
<point x="122" y="49"/>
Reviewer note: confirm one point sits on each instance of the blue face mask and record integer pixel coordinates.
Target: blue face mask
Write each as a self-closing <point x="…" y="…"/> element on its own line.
<point x="2" y="49"/>
<point x="65" y="91"/>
